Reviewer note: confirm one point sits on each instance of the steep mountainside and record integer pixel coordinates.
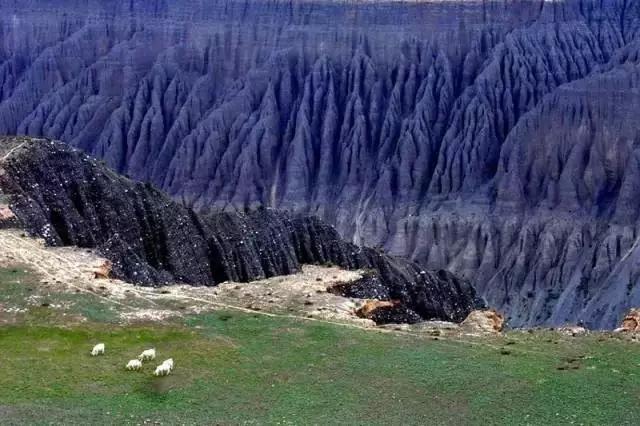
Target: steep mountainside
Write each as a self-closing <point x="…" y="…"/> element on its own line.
<point x="68" y="198"/>
<point x="495" y="139"/>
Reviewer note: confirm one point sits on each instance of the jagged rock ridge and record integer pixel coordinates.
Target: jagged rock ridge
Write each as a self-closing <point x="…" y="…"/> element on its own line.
<point x="494" y="139"/>
<point x="68" y="198"/>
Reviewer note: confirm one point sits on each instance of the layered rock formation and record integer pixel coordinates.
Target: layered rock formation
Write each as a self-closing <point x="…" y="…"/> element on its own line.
<point x="68" y="198"/>
<point x="495" y="139"/>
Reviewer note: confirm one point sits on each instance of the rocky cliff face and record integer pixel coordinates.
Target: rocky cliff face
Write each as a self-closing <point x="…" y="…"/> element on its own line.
<point x="495" y="139"/>
<point x="68" y="198"/>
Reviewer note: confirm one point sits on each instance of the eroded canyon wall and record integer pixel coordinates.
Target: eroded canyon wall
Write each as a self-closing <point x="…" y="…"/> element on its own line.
<point x="496" y="139"/>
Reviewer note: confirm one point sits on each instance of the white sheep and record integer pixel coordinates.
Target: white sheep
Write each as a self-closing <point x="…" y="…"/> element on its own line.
<point x="147" y="355"/>
<point x="134" y="365"/>
<point x="169" y="363"/>
<point x="162" y="370"/>
<point x="98" y="349"/>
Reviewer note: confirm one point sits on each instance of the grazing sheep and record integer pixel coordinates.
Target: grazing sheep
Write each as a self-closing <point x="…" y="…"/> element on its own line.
<point x="98" y="349"/>
<point x="162" y="370"/>
<point x="169" y="363"/>
<point x="134" y="365"/>
<point x="147" y="355"/>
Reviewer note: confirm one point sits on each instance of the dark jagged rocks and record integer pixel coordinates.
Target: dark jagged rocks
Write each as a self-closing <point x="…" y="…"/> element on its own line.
<point x="395" y="315"/>
<point x="495" y="139"/>
<point x="419" y="290"/>
<point x="68" y="198"/>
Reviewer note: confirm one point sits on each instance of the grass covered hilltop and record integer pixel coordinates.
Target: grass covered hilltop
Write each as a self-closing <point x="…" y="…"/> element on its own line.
<point x="243" y="368"/>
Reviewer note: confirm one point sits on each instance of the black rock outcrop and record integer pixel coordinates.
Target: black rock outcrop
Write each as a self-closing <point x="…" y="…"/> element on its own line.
<point x="495" y="139"/>
<point x="68" y="198"/>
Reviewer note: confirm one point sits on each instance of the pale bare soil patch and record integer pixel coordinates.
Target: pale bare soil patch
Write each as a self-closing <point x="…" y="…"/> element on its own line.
<point x="73" y="270"/>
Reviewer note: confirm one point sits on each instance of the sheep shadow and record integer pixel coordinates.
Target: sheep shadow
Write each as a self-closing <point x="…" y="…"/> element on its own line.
<point x="157" y="388"/>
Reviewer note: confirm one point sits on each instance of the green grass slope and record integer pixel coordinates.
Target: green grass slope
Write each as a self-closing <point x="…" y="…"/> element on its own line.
<point x="238" y="368"/>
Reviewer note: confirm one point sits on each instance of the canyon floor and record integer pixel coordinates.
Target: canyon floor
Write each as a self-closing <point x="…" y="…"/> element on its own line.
<point x="277" y="351"/>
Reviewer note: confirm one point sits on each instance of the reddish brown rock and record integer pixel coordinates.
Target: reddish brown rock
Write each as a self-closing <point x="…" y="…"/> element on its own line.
<point x="370" y="306"/>
<point x="6" y="213"/>
<point x="489" y="321"/>
<point x="631" y="322"/>
<point x="103" y="271"/>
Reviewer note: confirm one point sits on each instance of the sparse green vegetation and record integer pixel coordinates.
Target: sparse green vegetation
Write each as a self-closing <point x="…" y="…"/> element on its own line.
<point x="29" y="301"/>
<point x="238" y="368"/>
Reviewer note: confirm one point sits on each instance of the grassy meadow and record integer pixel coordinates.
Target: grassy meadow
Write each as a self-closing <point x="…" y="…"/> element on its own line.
<point x="240" y="368"/>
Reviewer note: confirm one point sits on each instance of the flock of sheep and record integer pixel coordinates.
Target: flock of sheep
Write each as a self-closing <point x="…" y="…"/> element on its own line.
<point x="136" y="364"/>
